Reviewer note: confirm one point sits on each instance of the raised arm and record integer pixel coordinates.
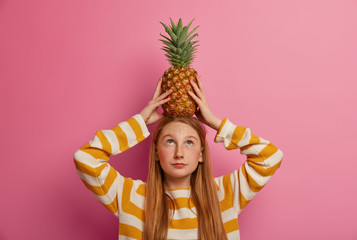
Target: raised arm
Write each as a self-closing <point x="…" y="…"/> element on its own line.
<point x="91" y="160"/>
<point x="263" y="159"/>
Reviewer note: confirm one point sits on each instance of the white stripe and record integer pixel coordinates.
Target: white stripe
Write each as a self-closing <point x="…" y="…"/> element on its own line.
<point x="142" y="124"/>
<point x="261" y="180"/>
<point x="233" y="235"/>
<point x="184" y="193"/>
<point x="88" y="159"/>
<point x="254" y="149"/>
<point x="184" y="213"/>
<point x="93" y="181"/>
<point x="245" y="138"/>
<point x="182" y="233"/>
<point x="112" y="139"/>
<point x="130" y="134"/>
<point x="122" y="237"/>
<point x="274" y="159"/>
<point x="228" y="215"/>
<point x="244" y="187"/>
<point x="110" y="196"/>
<point x="96" y="143"/>
<point x="235" y="186"/>
<point x="220" y="192"/>
<point x="131" y="220"/>
<point x="136" y="198"/>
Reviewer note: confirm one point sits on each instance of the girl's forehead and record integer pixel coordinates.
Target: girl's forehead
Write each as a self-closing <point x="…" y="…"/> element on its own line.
<point x="174" y="128"/>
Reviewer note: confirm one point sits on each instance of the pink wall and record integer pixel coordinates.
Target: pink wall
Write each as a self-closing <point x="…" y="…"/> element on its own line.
<point x="286" y="69"/>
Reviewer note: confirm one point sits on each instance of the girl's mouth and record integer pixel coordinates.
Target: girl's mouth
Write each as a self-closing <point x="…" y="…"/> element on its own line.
<point x="179" y="165"/>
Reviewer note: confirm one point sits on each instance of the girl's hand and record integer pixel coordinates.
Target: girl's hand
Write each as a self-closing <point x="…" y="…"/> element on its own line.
<point x="149" y="113"/>
<point x="204" y="113"/>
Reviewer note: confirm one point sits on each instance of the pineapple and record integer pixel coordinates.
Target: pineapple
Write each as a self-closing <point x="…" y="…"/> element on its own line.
<point x="180" y="50"/>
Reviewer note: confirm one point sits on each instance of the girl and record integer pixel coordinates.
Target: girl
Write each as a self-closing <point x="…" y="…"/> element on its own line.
<point x="181" y="199"/>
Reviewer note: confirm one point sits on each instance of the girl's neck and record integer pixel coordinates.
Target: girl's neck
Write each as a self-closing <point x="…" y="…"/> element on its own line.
<point x="177" y="183"/>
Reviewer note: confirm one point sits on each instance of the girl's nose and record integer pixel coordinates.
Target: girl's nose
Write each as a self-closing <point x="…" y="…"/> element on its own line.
<point x="178" y="156"/>
<point x="178" y="153"/>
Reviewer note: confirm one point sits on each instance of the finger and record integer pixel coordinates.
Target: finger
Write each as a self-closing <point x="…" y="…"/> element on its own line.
<point x="158" y="102"/>
<point x="164" y="95"/>
<point x="200" y="85"/>
<point x="197" y="100"/>
<point x="197" y="90"/>
<point x="158" y="89"/>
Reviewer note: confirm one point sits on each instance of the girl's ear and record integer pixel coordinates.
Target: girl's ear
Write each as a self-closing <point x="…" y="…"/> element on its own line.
<point x="201" y="158"/>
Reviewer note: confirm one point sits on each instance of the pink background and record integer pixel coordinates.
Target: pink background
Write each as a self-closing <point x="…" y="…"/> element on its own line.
<point x="286" y="69"/>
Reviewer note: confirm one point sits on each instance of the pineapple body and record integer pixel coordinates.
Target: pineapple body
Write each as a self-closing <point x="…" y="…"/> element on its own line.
<point x="178" y="79"/>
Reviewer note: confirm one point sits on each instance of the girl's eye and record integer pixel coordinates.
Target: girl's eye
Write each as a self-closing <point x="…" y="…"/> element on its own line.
<point x="190" y="143"/>
<point x="170" y="141"/>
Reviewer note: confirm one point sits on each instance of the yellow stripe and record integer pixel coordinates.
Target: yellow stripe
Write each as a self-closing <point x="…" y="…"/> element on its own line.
<point x="236" y="137"/>
<point x="231" y="225"/>
<point x="183" y="203"/>
<point x="103" y="189"/>
<point x="227" y="202"/>
<point x="84" y="168"/>
<point x="141" y="190"/>
<point x="254" y="139"/>
<point x="122" y="138"/>
<point x="264" y="171"/>
<point x="95" y="152"/>
<point x="113" y="206"/>
<point x="130" y="231"/>
<point x="126" y="204"/>
<point x="221" y="127"/>
<point x="265" y="153"/>
<point x="243" y="202"/>
<point x="185" y="223"/>
<point x="268" y="151"/>
<point x="105" y="143"/>
<point x="253" y="185"/>
<point x="136" y="128"/>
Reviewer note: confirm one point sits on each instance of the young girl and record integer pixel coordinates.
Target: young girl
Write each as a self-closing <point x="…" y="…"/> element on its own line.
<point x="181" y="199"/>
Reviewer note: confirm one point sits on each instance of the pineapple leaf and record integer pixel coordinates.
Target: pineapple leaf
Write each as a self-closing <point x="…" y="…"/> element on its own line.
<point x="188" y="25"/>
<point x="168" y="39"/>
<point x="173" y="25"/>
<point x="172" y="54"/>
<point x="179" y="29"/>
<point x="194" y="35"/>
<point x="182" y="39"/>
<point x="170" y="45"/>
<point x="169" y="31"/>
<point x="193" y="31"/>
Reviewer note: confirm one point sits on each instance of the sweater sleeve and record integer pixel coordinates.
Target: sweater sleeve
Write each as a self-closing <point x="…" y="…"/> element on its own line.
<point x="263" y="159"/>
<point x="91" y="160"/>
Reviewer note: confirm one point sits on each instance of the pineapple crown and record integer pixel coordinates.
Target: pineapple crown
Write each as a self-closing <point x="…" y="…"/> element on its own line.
<point x="179" y="47"/>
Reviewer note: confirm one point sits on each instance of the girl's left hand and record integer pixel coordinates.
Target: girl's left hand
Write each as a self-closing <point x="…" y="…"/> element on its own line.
<point x="204" y="113"/>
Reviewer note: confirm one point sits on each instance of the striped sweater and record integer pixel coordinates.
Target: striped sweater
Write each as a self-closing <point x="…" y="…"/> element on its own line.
<point x="125" y="197"/>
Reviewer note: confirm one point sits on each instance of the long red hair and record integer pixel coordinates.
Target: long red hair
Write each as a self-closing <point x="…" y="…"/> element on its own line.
<point x="203" y="192"/>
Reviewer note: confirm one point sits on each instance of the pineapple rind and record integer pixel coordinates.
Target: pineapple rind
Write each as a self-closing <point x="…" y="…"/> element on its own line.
<point x="178" y="79"/>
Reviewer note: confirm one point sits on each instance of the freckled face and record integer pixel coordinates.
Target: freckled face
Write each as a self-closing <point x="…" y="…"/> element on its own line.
<point x="179" y="151"/>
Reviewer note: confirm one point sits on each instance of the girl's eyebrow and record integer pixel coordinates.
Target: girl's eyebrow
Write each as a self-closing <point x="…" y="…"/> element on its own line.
<point x="190" y="136"/>
<point x="193" y="137"/>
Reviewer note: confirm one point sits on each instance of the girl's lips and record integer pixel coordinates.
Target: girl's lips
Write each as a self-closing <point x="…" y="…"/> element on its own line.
<point x="179" y="165"/>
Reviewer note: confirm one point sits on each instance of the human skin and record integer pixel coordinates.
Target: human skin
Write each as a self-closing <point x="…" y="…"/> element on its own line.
<point x="178" y="143"/>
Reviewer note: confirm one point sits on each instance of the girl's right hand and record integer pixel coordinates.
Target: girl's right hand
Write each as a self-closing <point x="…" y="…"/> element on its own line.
<point x="149" y="113"/>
